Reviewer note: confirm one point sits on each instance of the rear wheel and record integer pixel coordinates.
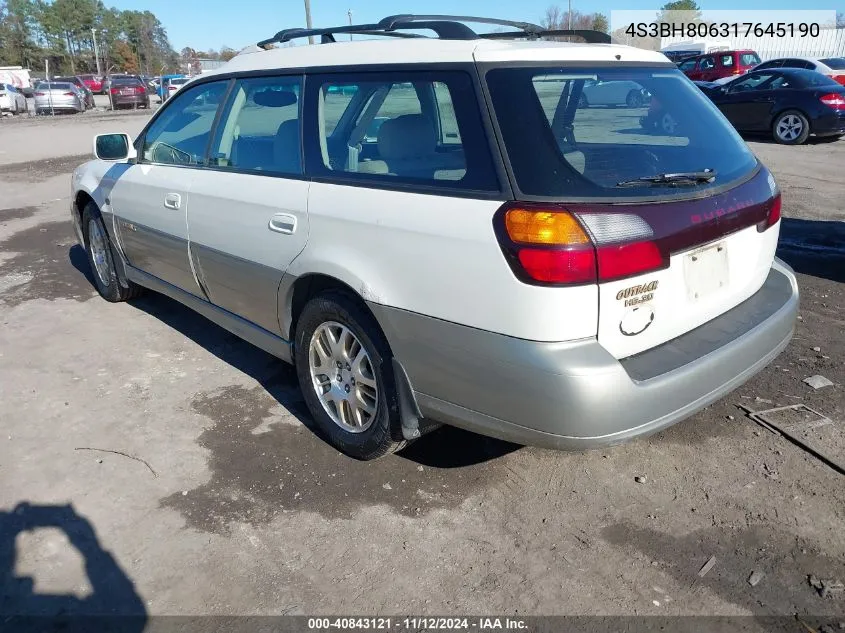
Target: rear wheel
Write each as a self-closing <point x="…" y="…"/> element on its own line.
<point x="343" y="364"/>
<point x="98" y="249"/>
<point x="791" y="128"/>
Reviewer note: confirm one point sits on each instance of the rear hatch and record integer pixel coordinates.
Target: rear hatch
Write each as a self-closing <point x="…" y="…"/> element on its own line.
<point x="653" y="197"/>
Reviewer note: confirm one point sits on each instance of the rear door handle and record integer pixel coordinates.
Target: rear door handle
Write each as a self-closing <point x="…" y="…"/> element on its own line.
<point x="173" y="201"/>
<point x="283" y="223"/>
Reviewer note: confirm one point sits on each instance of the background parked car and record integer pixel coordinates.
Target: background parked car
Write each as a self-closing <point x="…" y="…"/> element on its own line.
<point x="93" y="83"/>
<point x="717" y="65"/>
<point x="788" y="103"/>
<point x="833" y="67"/>
<point x="55" y="96"/>
<point x="129" y="92"/>
<point x="80" y="84"/>
<point x="173" y="85"/>
<point x="614" y="93"/>
<point x="11" y="99"/>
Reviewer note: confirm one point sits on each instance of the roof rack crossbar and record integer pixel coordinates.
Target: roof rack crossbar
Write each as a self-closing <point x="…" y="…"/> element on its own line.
<point x="393" y="21"/>
<point x="591" y="37"/>
<point x="446" y="27"/>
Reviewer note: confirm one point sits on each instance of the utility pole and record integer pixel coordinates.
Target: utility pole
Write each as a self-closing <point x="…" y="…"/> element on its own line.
<point x="308" y="20"/>
<point x="96" y="52"/>
<point x="570" y="15"/>
<point x="349" y="14"/>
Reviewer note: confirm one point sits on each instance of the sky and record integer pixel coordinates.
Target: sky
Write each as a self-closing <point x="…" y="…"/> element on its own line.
<point x="211" y="24"/>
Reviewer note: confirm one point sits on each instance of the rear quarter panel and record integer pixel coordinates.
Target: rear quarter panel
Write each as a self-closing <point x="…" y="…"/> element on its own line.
<point x="436" y="256"/>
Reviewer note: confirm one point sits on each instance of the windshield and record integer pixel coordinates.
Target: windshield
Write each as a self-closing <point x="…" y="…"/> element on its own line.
<point x="836" y="63"/>
<point x="580" y="133"/>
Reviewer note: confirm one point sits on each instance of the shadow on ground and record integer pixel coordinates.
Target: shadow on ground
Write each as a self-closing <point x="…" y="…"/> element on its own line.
<point x="113" y="604"/>
<point x="784" y="560"/>
<point x="814" y="247"/>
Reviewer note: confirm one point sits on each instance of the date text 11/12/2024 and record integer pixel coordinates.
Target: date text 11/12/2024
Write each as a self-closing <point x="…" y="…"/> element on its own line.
<point x="419" y="623"/>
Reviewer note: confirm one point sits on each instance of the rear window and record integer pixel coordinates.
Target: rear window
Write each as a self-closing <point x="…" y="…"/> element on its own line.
<point x="836" y="63"/>
<point x="54" y="86"/>
<point x="580" y="133"/>
<point x="812" y="80"/>
<point x="749" y="59"/>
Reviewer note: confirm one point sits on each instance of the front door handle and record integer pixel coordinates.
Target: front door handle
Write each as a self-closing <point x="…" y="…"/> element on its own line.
<point x="173" y="201"/>
<point x="283" y="223"/>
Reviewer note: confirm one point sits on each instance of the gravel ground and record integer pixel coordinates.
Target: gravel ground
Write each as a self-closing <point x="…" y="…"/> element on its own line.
<point x="237" y="508"/>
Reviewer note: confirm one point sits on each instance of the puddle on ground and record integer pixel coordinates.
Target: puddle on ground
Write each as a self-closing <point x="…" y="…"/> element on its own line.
<point x="38" y="170"/>
<point x="16" y="214"/>
<point x="264" y="463"/>
<point x="47" y="264"/>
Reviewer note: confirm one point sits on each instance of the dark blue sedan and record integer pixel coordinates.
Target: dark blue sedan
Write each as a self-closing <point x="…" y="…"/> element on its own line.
<point x="788" y="103"/>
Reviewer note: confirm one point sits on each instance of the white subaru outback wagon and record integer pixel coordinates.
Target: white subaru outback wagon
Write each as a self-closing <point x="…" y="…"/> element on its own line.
<point x="442" y="230"/>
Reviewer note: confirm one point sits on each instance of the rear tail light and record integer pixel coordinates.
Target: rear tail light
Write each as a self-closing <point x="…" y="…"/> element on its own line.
<point x="834" y="100"/>
<point x="114" y="91"/>
<point x="840" y="79"/>
<point x="553" y="246"/>
<point x="774" y="214"/>
<point x="140" y="90"/>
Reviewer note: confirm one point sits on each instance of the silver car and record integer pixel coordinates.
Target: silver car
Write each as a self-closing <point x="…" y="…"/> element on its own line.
<point x="57" y="96"/>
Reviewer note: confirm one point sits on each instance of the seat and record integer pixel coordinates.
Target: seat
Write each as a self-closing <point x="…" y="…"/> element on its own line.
<point x="407" y="147"/>
<point x="287" y="157"/>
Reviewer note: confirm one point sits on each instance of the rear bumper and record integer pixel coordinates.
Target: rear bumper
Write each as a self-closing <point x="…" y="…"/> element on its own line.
<point x="829" y="124"/>
<point x="127" y="100"/>
<point x="576" y="395"/>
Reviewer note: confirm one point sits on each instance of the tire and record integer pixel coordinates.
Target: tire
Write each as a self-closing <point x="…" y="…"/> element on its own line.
<point x="634" y="99"/>
<point x="324" y="315"/>
<point x="668" y="124"/>
<point x="104" y="274"/>
<point x="791" y="128"/>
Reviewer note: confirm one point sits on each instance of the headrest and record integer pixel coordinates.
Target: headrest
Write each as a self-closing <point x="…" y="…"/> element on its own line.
<point x="406" y="136"/>
<point x="270" y="98"/>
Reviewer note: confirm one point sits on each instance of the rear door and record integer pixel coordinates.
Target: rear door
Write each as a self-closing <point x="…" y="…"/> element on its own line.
<point x="249" y="210"/>
<point x="150" y="198"/>
<point x="748" y="101"/>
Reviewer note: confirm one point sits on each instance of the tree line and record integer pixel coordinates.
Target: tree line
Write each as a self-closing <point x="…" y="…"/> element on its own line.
<point x="64" y="32"/>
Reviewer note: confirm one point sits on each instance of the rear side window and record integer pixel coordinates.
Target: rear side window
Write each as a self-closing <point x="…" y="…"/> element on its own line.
<point x="749" y="59"/>
<point x="180" y="134"/>
<point x="707" y="63"/>
<point x="652" y="121"/>
<point x="836" y="63"/>
<point x="727" y="60"/>
<point x="260" y="130"/>
<point x="687" y="65"/>
<point x="415" y="128"/>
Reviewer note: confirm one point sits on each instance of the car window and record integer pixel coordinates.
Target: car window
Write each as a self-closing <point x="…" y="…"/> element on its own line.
<point x="726" y="60"/>
<point x="707" y="63"/>
<point x="799" y="63"/>
<point x="417" y="128"/>
<point x="560" y="146"/>
<point x="179" y="135"/>
<point x="757" y="81"/>
<point x="687" y="65"/>
<point x="775" y="63"/>
<point x="749" y="59"/>
<point x="780" y="83"/>
<point x="260" y="130"/>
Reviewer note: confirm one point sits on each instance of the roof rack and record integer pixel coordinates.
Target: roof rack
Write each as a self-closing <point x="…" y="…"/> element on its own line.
<point x="446" y="27"/>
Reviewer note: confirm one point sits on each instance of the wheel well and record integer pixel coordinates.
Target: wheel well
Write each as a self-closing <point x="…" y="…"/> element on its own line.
<point x="309" y="286"/>
<point x="81" y="201"/>
<point x="798" y="110"/>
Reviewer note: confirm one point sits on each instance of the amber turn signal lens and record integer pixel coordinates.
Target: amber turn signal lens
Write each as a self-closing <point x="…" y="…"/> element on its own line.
<point x="526" y="226"/>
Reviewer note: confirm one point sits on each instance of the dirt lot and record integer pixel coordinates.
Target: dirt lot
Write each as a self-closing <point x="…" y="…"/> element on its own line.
<point x="239" y="509"/>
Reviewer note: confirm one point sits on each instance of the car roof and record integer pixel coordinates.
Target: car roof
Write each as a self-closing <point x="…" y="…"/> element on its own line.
<point x="428" y="51"/>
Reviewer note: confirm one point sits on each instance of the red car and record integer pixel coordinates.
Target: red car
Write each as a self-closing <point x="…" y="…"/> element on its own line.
<point x="93" y="83"/>
<point x="713" y="66"/>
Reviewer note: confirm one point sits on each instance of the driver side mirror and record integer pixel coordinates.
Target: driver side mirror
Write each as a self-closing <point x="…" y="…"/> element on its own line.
<point x="114" y="147"/>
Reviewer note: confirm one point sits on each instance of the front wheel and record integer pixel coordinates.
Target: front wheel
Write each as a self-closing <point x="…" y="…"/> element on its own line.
<point x="98" y="249"/>
<point x="344" y="367"/>
<point x="791" y="128"/>
<point x="634" y="99"/>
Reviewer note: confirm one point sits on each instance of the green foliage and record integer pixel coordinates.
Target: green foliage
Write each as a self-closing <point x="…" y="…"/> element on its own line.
<point x="61" y="30"/>
<point x="600" y="23"/>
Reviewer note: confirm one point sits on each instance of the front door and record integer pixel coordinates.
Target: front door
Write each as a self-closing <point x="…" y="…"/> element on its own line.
<point x="149" y="199"/>
<point x="248" y="217"/>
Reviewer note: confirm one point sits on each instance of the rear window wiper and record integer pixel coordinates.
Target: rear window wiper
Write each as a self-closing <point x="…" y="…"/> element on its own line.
<point x="680" y="178"/>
